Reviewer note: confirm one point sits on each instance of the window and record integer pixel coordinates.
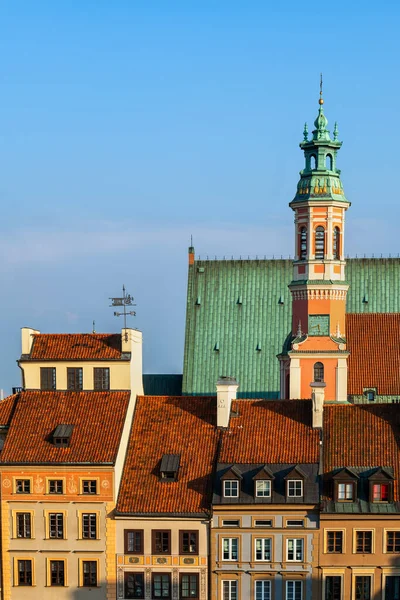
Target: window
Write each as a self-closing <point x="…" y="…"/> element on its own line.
<point x="89" y="486"/>
<point x="363" y="587"/>
<point x="62" y="435"/>
<point x="295" y="523"/>
<point x="295" y="549"/>
<point x="47" y="378"/>
<point x="231" y="523"/>
<point x="89" y="526"/>
<point x="318" y="371"/>
<point x="23" y="525"/>
<point x="333" y="587"/>
<point x="336" y="243"/>
<point x="161" y="541"/>
<point x="230" y="548"/>
<point x="262" y="590"/>
<point x="24" y="572"/>
<point x="320" y="243"/>
<point x="263" y="549"/>
<point x="134" y="585"/>
<point x="101" y="378"/>
<point x="161" y="585"/>
<point x="133" y="541"/>
<point x="303" y="243"/>
<point x="56" y="486"/>
<point x="57" y="572"/>
<point x="392" y="587"/>
<point x="56" y="526"/>
<point x="231" y="488"/>
<point x="334" y="542"/>
<point x="393" y="541"/>
<point x="230" y="590"/>
<point x="188" y="542"/>
<point x="295" y="488"/>
<point x="345" y="492"/>
<point x="89" y="572"/>
<point x="363" y="542"/>
<point x="263" y="488"/>
<point x="74" y="378"/>
<point x="189" y="585"/>
<point x="294" y="590"/>
<point x="380" y="492"/>
<point x="263" y="523"/>
<point x="370" y="396"/>
<point x="329" y="162"/>
<point x="23" y="486"/>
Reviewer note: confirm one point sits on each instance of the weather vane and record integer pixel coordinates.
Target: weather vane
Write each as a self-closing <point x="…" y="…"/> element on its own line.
<point x="126" y="300"/>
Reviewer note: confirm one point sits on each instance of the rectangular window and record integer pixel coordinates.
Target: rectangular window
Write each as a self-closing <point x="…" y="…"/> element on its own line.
<point x="134" y="586"/>
<point x="392" y="587"/>
<point x="363" y="587"/>
<point x="230" y="590"/>
<point x="188" y="541"/>
<point x="230" y="548"/>
<point x="23" y="486"/>
<point x="263" y="488"/>
<point x="345" y="492"/>
<point x="89" y="571"/>
<point x="263" y="548"/>
<point x="393" y="541"/>
<point x="231" y="523"/>
<point x="380" y="492"/>
<point x="74" y="378"/>
<point x="295" y="488"/>
<point x="161" y="585"/>
<point x="263" y="523"/>
<point x="23" y="525"/>
<point x="294" y="549"/>
<point x="56" y="486"/>
<point x="24" y="572"/>
<point x="57" y="572"/>
<point x="295" y="523"/>
<point x="231" y="488"/>
<point x="56" y="526"/>
<point x="47" y="378"/>
<point x="262" y="590"/>
<point x="161" y="541"/>
<point x="189" y="586"/>
<point x="89" y="526"/>
<point x="89" y="486"/>
<point x="363" y="542"/>
<point x="133" y="541"/>
<point x="333" y="588"/>
<point x="334" y="542"/>
<point x="294" y="590"/>
<point x="101" y="378"/>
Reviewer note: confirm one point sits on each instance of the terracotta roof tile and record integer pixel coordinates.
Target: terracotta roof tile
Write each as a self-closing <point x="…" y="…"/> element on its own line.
<point x="98" y="419"/>
<point x="374" y="344"/>
<point x="170" y="425"/>
<point x="7" y="409"/>
<point x="359" y="435"/>
<point x="76" y="346"/>
<point x="271" y="432"/>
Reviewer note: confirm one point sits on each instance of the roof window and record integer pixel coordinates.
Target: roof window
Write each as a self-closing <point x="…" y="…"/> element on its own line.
<point x="169" y="467"/>
<point x="62" y="435"/>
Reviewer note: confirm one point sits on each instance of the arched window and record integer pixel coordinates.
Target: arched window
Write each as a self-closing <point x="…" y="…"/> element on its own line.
<point x="313" y="161"/>
<point x="329" y="162"/>
<point x="303" y="243"/>
<point x="318" y="371"/>
<point x="336" y="243"/>
<point x="320" y="243"/>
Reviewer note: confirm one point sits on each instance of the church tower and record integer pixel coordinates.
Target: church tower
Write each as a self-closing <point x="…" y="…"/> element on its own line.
<point x="318" y="347"/>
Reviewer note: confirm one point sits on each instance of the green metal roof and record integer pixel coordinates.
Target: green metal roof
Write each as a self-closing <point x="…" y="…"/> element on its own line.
<point x="238" y="317"/>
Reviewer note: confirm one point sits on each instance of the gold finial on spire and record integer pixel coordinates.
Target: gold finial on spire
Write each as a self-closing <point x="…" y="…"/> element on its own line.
<point x="321" y="100"/>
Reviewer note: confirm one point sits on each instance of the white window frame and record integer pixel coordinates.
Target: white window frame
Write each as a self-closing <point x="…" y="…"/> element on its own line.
<point x="346" y="487"/>
<point x="295" y="482"/>
<point x="296" y="542"/>
<point x="260" y="493"/>
<point x="295" y="583"/>
<point x="232" y="590"/>
<point x="265" y="542"/>
<point x="265" y="585"/>
<point x="231" y="494"/>
<point x="230" y="551"/>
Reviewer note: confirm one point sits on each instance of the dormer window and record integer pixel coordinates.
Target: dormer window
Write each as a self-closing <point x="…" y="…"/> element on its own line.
<point x="380" y="492"/>
<point x="345" y="485"/>
<point x="380" y="485"/>
<point x="263" y="488"/>
<point x="169" y="467"/>
<point x="231" y="488"/>
<point x="62" y="435"/>
<point x="345" y="492"/>
<point x="295" y="488"/>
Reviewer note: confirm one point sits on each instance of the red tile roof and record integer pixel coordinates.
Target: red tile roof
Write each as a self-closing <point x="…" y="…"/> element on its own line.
<point x="170" y="425"/>
<point x="98" y="419"/>
<point x="271" y="432"/>
<point x="76" y="346"/>
<point x="360" y="435"/>
<point x="7" y="408"/>
<point x="374" y="344"/>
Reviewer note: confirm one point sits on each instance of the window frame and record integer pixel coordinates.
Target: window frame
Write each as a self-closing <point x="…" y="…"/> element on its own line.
<point x="57" y="559"/>
<point x="101" y="383"/>
<point x="47" y="519"/>
<point x="303" y="241"/>
<point x="75" y="374"/>
<point x="84" y="480"/>
<point x="80" y="515"/>
<point x="334" y="532"/>
<point x="263" y="582"/>
<point x="380" y="484"/>
<point x="395" y="532"/>
<point x="333" y="575"/>
<point x="49" y="481"/>
<point x="82" y="562"/>
<point x="263" y="549"/>
<point x="230" y="551"/>
<point x="48" y="374"/>
<point x="89" y="525"/>
<point x="140" y="532"/>
<point x="16" y="560"/>
<point x="189" y="532"/>
<point x="154" y="533"/>
<point x="295" y="583"/>
<point x="362" y="576"/>
<point x="269" y="486"/>
<point x="232" y="583"/>
<point x="295" y="481"/>
<point x="230" y="482"/>
<point x="15" y="515"/>
<point x="25" y="480"/>
<point x="347" y="484"/>
<point x="56" y="531"/>
<point x="196" y="576"/>
<point x="356" y="533"/>
<point x="155" y="574"/>
<point x="134" y="574"/>
<point x="296" y="541"/>
<point x="319" y="243"/>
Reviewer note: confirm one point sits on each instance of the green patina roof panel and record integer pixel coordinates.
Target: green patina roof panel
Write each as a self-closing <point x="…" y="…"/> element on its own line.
<point x="244" y="317"/>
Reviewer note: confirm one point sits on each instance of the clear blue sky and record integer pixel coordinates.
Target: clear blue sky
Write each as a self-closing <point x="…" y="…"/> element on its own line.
<point x="126" y="126"/>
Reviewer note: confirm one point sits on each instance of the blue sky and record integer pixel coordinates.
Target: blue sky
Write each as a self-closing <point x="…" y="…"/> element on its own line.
<point x="127" y="126"/>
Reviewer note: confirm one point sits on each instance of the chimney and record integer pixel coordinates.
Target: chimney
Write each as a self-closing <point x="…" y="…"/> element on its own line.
<point x="131" y="343"/>
<point x="317" y="397"/>
<point x="27" y="339"/>
<point x="227" y="388"/>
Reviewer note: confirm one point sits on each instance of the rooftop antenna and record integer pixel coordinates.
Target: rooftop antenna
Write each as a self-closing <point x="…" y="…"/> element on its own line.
<point x="321" y="100"/>
<point x="94" y="326"/>
<point x="126" y="300"/>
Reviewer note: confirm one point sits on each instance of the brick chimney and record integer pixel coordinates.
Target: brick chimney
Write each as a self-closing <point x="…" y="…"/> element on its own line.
<point x="227" y="388"/>
<point x="317" y="397"/>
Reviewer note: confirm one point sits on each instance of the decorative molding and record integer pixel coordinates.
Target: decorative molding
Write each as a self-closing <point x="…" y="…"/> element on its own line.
<point x="319" y="294"/>
<point x="175" y="584"/>
<point x="120" y="583"/>
<point x="148" y="584"/>
<point x="203" y="584"/>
